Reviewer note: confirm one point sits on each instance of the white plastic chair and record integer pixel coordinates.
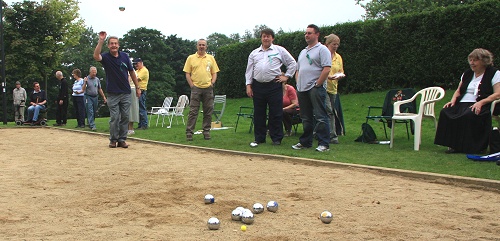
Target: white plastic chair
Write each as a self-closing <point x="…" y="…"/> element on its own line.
<point x="219" y="107"/>
<point x="178" y="110"/>
<point x="429" y="96"/>
<point x="167" y="102"/>
<point x="493" y="104"/>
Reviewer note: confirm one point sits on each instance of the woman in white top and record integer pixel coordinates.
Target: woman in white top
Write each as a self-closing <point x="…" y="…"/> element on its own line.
<point x="465" y="122"/>
<point x="78" y="98"/>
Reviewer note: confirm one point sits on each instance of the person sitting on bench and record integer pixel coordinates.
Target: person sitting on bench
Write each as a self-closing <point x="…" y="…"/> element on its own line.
<point x="38" y="99"/>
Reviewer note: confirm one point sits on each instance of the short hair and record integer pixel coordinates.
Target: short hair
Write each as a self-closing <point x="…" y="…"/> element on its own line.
<point x="316" y="28"/>
<point x="201" y="39"/>
<point x="482" y="54"/>
<point x="59" y="73"/>
<point x="77" y="72"/>
<point x="267" y="31"/>
<point x="35" y="83"/>
<point x="330" y="38"/>
<point x="113" y="37"/>
<point x="92" y="67"/>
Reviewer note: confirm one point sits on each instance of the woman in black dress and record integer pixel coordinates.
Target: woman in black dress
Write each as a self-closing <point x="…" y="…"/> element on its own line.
<point x="465" y="122"/>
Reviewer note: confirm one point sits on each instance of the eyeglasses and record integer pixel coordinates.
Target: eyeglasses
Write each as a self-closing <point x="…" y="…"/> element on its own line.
<point x="309" y="33"/>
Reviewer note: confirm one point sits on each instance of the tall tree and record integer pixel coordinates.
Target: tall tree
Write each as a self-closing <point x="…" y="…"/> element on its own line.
<point x="386" y="8"/>
<point x="235" y="37"/>
<point x="257" y="29"/>
<point x="150" y="46"/>
<point x="176" y="59"/>
<point x="217" y="40"/>
<point x="36" y="35"/>
<point x="80" y="56"/>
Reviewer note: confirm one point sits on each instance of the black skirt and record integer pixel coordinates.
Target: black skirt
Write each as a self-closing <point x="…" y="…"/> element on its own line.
<point x="464" y="131"/>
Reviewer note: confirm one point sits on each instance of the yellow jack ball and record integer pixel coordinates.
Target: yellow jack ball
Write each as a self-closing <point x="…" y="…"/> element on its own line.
<point x="243" y="228"/>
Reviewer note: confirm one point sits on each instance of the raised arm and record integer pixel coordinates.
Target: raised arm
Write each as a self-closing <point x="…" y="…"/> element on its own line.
<point x="100" y="43"/>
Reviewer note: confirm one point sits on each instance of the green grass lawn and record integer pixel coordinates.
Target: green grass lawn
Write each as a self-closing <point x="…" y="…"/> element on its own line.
<point x="430" y="158"/>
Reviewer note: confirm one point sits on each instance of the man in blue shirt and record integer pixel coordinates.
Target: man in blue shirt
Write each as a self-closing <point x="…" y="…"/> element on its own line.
<point x="118" y="67"/>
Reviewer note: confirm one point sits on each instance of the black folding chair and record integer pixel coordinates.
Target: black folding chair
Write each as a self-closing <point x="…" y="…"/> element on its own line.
<point x="387" y="109"/>
<point x="245" y="112"/>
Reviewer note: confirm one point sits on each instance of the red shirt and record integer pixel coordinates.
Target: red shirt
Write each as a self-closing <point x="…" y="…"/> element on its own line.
<point x="289" y="95"/>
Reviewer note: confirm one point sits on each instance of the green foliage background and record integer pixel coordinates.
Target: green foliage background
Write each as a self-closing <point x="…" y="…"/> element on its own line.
<point x="415" y="50"/>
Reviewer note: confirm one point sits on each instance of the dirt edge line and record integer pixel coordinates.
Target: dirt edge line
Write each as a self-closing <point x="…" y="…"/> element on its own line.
<point x="467" y="182"/>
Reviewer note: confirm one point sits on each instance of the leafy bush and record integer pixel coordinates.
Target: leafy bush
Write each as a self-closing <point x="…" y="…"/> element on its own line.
<point x="413" y="50"/>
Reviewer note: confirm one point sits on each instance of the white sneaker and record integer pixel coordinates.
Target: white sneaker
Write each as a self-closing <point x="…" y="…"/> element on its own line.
<point x="298" y="146"/>
<point x="130" y="132"/>
<point x="254" y="144"/>
<point x="322" y="148"/>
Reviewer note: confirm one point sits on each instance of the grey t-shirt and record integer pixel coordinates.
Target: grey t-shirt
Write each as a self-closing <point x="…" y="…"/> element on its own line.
<point x="310" y="64"/>
<point x="93" y="86"/>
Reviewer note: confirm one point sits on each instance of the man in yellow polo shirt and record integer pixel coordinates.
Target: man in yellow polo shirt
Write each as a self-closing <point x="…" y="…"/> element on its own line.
<point x="201" y="74"/>
<point x="143" y="78"/>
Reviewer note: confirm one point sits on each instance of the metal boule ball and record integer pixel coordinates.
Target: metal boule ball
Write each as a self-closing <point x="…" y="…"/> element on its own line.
<point x="121" y="8"/>
<point x="258" y="208"/>
<point x="213" y="223"/>
<point x="209" y="198"/>
<point x="247" y="217"/>
<point x="236" y="215"/>
<point x="272" y="206"/>
<point x="326" y="217"/>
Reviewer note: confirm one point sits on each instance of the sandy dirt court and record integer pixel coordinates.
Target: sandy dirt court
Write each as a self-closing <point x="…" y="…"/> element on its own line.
<point x="62" y="185"/>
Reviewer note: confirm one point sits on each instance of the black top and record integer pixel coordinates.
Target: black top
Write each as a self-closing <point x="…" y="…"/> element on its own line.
<point x="63" y="90"/>
<point x="38" y="97"/>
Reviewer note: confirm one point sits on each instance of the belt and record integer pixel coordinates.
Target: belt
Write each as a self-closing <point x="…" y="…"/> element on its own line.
<point x="264" y="82"/>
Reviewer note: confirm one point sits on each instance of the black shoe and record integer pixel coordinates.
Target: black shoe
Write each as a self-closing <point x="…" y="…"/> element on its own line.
<point x="276" y="143"/>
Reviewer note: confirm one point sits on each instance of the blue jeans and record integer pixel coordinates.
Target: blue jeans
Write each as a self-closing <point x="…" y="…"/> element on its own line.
<point x="34" y="111"/>
<point x="119" y="108"/>
<point x="91" y="108"/>
<point x="314" y="116"/>
<point x="143" y="112"/>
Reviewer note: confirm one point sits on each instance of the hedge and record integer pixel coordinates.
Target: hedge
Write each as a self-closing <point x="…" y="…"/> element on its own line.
<point x="413" y="50"/>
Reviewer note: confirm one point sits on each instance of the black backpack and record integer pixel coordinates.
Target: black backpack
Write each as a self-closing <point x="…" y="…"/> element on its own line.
<point x="495" y="141"/>
<point x="367" y="135"/>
